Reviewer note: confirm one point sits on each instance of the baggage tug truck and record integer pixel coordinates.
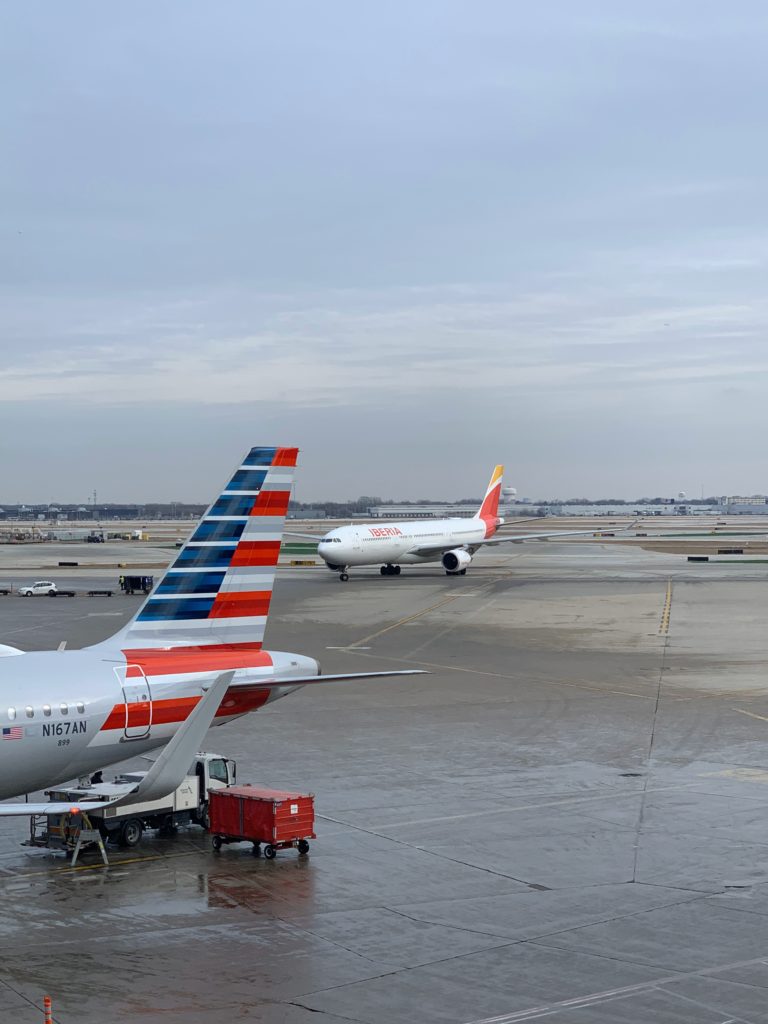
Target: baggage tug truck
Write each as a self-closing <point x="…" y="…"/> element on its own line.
<point x="125" y="823"/>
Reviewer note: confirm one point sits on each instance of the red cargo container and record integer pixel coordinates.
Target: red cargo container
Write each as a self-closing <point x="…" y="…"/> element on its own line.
<point x="249" y="814"/>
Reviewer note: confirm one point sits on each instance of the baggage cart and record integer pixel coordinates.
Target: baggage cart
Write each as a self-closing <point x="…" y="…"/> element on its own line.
<point x="250" y="814"/>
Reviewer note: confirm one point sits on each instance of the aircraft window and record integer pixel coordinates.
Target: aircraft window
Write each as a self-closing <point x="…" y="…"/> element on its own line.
<point x="29" y="712"/>
<point x="47" y="710"/>
<point x="11" y="713"/>
<point x="80" y="708"/>
<point x="64" y="708"/>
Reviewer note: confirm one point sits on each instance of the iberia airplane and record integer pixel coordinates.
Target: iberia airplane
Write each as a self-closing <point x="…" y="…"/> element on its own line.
<point x="192" y="656"/>
<point x="450" y="541"/>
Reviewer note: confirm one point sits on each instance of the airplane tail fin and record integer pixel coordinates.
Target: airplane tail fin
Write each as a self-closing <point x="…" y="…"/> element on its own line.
<point x="489" y="510"/>
<point x="218" y="590"/>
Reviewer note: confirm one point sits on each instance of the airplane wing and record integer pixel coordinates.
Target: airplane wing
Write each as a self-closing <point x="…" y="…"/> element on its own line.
<point x="520" y="537"/>
<point x="516" y="538"/>
<point x="55" y="807"/>
<point x="166" y="773"/>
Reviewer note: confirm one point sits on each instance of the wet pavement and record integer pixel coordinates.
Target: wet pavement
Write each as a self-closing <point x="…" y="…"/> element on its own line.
<point x="566" y="820"/>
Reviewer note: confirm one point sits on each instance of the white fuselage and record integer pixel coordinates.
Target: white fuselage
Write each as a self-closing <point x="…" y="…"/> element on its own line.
<point x="68" y="713"/>
<point x="396" y="543"/>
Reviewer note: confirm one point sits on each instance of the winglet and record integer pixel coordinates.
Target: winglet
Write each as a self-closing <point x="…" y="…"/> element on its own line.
<point x="170" y="769"/>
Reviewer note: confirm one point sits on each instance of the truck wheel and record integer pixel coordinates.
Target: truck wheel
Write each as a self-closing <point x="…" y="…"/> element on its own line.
<point x="216" y="843"/>
<point x="303" y="846"/>
<point x="270" y="852"/>
<point x="204" y="816"/>
<point x="131" y="833"/>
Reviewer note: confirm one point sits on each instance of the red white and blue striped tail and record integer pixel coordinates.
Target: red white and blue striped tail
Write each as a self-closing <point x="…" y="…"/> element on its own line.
<point x="218" y="590"/>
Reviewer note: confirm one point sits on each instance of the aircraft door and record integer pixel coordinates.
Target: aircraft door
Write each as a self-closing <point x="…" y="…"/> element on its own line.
<point x="137" y="697"/>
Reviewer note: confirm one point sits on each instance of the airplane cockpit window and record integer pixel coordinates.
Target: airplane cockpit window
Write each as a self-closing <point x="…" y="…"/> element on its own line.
<point x="47" y="710"/>
<point x="64" y="708"/>
<point x="29" y="712"/>
<point x="11" y="713"/>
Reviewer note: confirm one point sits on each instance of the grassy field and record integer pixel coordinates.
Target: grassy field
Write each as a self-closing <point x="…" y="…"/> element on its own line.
<point x="298" y="547"/>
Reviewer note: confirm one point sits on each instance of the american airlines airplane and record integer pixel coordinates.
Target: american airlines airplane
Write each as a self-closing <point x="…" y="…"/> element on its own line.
<point x="453" y="542"/>
<point x="192" y="656"/>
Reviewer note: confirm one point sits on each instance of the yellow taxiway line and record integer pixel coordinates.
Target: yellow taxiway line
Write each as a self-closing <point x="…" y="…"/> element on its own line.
<point x="667" y="611"/>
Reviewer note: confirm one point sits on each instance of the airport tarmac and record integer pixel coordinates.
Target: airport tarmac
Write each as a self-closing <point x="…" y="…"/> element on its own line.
<point x="566" y="820"/>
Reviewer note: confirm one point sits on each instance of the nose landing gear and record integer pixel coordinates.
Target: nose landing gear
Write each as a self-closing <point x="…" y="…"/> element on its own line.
<point x="390" y="570"/>
<point x="344" y="576"/>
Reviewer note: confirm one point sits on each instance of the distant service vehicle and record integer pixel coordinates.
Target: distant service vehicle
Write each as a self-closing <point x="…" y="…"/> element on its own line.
<point x="453" y="542"/>
<point x="40" y="587"/>
<point x="136" y="584"/>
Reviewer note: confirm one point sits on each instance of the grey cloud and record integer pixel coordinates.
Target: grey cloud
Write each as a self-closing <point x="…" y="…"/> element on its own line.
<point x="422" y="238"/>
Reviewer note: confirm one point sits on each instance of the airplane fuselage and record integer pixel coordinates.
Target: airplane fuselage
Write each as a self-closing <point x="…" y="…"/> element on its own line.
<point x="397" y="543"/>
<point x="68" y="713"/>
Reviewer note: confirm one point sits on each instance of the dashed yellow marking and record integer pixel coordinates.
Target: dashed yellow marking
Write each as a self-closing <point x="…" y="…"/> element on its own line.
<point x="664" y="625"/>
<point x="743" y="774"/>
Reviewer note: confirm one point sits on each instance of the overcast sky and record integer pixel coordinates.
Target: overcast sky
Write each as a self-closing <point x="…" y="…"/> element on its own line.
<point x="414" y="238"/>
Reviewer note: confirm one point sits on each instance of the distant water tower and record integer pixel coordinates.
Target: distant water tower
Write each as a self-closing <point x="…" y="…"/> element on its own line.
<point x="509" y="492"/>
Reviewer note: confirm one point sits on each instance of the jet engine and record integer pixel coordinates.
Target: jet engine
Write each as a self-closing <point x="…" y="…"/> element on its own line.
<point x="456" y="560"/>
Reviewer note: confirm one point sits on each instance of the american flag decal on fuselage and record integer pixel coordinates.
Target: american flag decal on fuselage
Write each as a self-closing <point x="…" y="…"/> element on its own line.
<point x="15" y="732"/>
<point x="217" y="592"/>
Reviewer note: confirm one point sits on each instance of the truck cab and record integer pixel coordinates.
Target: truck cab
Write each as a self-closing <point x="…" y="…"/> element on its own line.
<point x="212" y="771"/>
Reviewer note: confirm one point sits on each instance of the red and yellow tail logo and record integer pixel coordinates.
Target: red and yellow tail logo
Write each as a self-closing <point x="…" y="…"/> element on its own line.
<point x="489" y="510"/>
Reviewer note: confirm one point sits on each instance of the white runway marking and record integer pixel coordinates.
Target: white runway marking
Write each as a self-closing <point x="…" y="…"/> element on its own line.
<point x="609" y="996"/>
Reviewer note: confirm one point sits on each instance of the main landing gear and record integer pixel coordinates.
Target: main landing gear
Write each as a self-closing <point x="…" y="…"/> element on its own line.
<point x="344" y="576"/>
<point x="390" y="570"/>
